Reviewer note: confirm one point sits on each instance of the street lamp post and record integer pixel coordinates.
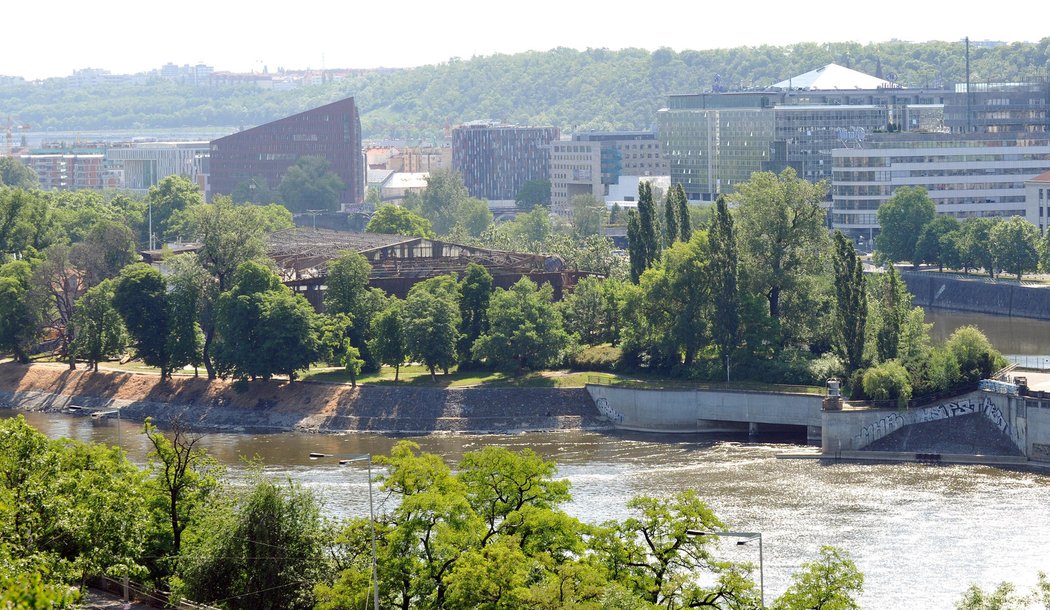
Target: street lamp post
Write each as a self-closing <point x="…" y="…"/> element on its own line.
<point x="367" y="458"/>
<point x="743" y="538"/>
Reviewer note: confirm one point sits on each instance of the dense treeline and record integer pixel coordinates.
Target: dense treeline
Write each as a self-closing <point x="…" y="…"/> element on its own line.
<point x="592" y="89"/>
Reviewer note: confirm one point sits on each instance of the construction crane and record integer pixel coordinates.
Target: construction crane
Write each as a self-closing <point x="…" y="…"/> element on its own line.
<point x="10" y="126"/>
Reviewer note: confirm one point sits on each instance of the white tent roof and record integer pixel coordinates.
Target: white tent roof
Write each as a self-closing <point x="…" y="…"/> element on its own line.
<point x="833" y="77"/>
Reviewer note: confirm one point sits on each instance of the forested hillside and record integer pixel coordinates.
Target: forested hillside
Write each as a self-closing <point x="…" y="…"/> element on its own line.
<point x="592" y="89"/>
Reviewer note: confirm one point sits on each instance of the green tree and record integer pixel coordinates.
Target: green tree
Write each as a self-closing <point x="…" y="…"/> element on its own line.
<point x="441" y="199"/>
<point x="525" y="329"/>
<point x="887" y="381"/>
<point x="588" y="215"/>
<point x="831" y="582"/>
<point x="55" y="288"/>
<point x="396" y="220"/>
<point x="389" y="341"/>
<point x="725" y="321"/>
<point x="933" y="246"/>
<point x="976" y="357"/>
<point x="168" y="196"/>
<point x="15" y="174"/>
<point x="851" y="302"/>
<point x="781" y="232"/>
<point x="648" y="224"/>
<point x="264" y="328"/>
<point x="975" y="248"/>
<point x="99" y="332"/>
<point x="1015" y="246"/>
<point x="184" y="479"/>
<point x="310" y="185"/>
<point x="23" y="215"/>
<point x="532" y="194"/>
<point x="685" y="223"/>
<point x="893" y="303"/>
<point x="336" y="347"/>
<point x="108" y="248"/>
<point x="531" y="228"/>
<point x="473" y="216"/>
<point x="901" y="221"/>
<point x="672" y="217"/>
<point x="348" y="292"/>
<point x="20" y="316"/>
<point x="475" y="293"/>
<point x="269" y="552"/>
<point x="141" y="297"/>
<point x="256" y="191"/>
<point x="432" y="323"/>
<point x="635" y="246"/>
<point x="190" y="292"/>
<point x="591" y="311"/>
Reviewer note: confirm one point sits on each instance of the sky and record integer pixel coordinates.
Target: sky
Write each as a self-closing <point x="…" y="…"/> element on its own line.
<point x="128" y="37"/>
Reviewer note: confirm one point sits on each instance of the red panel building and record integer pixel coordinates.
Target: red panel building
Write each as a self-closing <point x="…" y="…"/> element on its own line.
<point x="332" y="131"/>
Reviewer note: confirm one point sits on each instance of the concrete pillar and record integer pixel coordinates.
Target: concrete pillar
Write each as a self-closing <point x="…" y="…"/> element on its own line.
<point x="814" y="435"/>
<point x="752" y="428"/>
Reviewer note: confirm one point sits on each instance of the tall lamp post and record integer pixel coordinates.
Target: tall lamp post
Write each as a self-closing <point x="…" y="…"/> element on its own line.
<point x="743" y="538"/>
<point x="367" y="458"/>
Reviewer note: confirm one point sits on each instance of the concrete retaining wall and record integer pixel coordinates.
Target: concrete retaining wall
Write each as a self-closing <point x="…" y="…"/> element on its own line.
<point x="1038" y="432"/>
<point x="691" y="411"/>
<point x="853" y="430"/>
<point x="978" y="295"/>
<point x="404" y="410"/>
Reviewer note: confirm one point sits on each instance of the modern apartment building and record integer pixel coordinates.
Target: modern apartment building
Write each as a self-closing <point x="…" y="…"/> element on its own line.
<point x="72" y="170"/>
<point x="146" y="163"/>
<point x="496" y="160"/>
<point x="332" y="131"/>
<point x="714" y="141"/>
<point x="965" y="174"/>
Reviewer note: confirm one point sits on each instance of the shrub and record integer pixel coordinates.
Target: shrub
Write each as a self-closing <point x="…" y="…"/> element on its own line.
<point x="976" y="357"/>
<point x="887" y="381"/>
<point x="603" y="357"/>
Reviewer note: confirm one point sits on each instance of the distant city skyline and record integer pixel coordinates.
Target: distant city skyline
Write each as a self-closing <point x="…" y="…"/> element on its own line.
<point x="121" y="39"/>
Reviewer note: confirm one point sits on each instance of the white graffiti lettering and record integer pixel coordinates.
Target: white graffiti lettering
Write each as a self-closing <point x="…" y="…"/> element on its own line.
<point x="607" y="411"/>
<point x="891" y="422"/>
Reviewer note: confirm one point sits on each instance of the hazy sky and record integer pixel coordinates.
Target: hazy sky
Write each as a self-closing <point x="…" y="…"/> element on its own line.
<point x="42" y="39"/>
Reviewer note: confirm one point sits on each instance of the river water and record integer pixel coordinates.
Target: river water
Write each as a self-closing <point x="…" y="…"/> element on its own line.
<point x="920" y="533"/>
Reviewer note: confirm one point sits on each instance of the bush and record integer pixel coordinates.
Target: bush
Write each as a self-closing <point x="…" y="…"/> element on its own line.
<point x="827" y="366"/>
<point x="976" y="357"/>
<point x="887" y="381"/>
<point x="603" y="357"/>
<point x="856" y="385"/>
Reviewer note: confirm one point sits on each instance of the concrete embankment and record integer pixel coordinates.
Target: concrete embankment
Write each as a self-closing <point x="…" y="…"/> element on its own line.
<point x="978" y="295"/>
<point x="280" y="406"/>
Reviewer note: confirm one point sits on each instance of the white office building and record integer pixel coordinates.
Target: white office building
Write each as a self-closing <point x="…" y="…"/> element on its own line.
<point x="965" y="175"/>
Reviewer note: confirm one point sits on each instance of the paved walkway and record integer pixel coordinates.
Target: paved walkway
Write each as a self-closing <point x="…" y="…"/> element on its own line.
<point x="95" y="599"/>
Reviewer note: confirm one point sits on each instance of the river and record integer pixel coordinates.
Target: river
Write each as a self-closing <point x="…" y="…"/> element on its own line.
<point x="921" y="533"/>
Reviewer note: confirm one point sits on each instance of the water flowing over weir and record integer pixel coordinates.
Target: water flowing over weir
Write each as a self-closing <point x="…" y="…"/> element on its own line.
<point x="920" y="533"/>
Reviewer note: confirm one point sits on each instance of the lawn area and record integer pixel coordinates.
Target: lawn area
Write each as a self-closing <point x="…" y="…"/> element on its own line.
<point x="418" y="376"/>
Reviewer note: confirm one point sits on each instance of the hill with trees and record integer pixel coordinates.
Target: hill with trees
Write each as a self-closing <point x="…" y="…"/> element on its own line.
<point x="574" y="90"/>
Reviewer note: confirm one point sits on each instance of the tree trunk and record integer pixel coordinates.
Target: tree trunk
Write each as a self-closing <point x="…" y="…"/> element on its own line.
<point x="774" y="302"/>
<point x="206" y="352"/>
<point x="433" y="375"/>
<point x="397" y="371"/>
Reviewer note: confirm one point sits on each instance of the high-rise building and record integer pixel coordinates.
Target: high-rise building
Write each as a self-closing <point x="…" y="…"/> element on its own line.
<point x="332" y="131"/>
<point x="497" y="160"/>
<point x="966" y="175"/>
<point x="714" y="141"/>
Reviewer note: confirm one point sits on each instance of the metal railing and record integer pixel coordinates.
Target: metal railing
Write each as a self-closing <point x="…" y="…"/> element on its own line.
<point x="685" y="384"/>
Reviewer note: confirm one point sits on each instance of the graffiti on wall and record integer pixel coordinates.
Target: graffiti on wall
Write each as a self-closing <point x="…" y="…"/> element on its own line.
<point x="607" y="411"/>
<point x="891" y="422"/>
